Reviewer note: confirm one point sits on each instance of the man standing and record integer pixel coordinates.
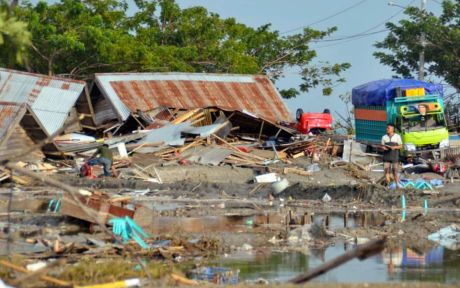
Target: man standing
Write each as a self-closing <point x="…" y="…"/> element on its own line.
<point x="105" y="159"/>
<point x="391" y="143"/>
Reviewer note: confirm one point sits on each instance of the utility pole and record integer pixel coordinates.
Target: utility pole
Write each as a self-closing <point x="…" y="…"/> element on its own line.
<point x="421" y="60"/>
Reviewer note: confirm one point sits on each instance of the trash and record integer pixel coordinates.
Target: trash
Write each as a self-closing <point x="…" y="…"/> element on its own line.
<point x="54" y="206"/>
<point x="448" y="237"/>
<point x="128" y="230"/>
<point x="216" y="275"/>
<point x="280" y="186"/>
<point x="36" y="266"/>
<point x="246" y="247"/>
<point x="249" y="222"/>
<point x="135" y="282"/>
<point x="267" y="178"/>
<point x="300" y="235"/>
<point x="161" y="244"/>
<point x="437" y="182"/>
<point x="326" y="198"/>
<point x="403" y="201"/>
<point x="419" y="184"/>
<point x="393" y="186"/>
<point x="313" y="168"/>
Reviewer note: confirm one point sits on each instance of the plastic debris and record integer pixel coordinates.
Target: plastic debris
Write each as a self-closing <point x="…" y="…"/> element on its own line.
<point x="135" y="282"/>
<point x="35" y="266"/>
<point x="267" y="178"/>
<point x="437" y="182"/>
<point x="326" y="198"/>
<point x="54" y="206"/>
<point x="448" y="237"/>
<point x="246" y="247"/>
<point x="280" y="186"/>
<point x="128" y="230"/>
<point x="403" y="201"/>
<point x="418" y="184"/>
<point x="313" y="167"/>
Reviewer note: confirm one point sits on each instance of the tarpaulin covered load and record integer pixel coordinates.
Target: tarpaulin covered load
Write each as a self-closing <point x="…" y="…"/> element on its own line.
<point x="376" y="93"/>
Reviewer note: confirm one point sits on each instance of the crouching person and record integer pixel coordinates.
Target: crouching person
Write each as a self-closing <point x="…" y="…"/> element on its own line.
<point x="105" y="159"/>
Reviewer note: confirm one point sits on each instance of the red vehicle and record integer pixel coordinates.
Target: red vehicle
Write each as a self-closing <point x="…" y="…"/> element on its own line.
<point x="313" y="122"/>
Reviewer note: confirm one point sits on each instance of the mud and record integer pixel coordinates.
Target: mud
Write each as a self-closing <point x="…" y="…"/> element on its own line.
<point x="216" y="213"/>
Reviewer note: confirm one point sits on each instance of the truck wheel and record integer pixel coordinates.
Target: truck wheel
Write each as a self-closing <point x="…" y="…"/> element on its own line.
<point x="298" y="114"/>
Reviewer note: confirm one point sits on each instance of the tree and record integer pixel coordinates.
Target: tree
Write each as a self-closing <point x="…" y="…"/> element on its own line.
<point x="81" y="37"/>
<point x="345" y="123"/>
<point x="14" y="37"/>
<point x="442" y="46"/>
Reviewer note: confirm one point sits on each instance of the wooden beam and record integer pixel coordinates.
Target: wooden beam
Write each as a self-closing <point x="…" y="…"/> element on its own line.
<point x="361" y="252"/>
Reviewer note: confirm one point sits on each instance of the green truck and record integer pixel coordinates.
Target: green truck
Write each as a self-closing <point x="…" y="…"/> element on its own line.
<point x="416" y="109"/>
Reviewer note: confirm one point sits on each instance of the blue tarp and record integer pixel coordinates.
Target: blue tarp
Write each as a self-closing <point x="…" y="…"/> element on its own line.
<point x="376" y="93"/>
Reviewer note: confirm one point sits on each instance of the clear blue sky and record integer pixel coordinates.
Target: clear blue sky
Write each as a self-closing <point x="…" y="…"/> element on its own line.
<point x="288" y="14"/>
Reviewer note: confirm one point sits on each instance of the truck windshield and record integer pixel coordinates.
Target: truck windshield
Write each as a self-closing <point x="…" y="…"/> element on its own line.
<point x="423" y="123"/>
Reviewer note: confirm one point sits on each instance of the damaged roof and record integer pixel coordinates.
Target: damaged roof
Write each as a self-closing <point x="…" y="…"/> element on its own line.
<point x="254" y="94"/>
<point x="50" y="98"/>
<point x="10" y="113"/>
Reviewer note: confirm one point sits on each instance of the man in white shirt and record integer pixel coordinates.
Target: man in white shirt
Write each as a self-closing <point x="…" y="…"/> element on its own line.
<point x="391" y="143"/>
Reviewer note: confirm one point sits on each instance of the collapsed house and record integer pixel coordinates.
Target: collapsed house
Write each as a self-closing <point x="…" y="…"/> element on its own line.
<point x="150" y="100"/>
<point x="41" y="105"/>
<point x="13" y="138"/>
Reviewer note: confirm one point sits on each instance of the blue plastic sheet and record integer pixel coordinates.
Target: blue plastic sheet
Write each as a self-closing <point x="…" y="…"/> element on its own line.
<point x="377" y="93"/>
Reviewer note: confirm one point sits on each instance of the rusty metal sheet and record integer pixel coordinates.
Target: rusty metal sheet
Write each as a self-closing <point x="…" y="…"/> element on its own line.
<point x="129" y="92"/>
<point x="9" y="112"/>
<point x="50" y="98"/>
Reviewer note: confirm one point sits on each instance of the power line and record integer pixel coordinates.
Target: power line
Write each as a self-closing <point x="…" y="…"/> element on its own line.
<point x="364" y="33"/>
<point x="326" y="18"/>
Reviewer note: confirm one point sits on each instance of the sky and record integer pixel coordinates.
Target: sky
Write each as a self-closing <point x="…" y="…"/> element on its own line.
<point x="364" y="16"/>
<point x="351" y="17"/>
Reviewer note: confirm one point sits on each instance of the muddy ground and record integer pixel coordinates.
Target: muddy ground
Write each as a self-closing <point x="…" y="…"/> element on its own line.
<point x="225" y="211"/>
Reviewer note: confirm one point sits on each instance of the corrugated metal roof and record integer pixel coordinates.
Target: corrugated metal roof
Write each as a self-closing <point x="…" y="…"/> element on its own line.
<point x="255" y="94"/>
<point x="8" y="114"/>
<point x="50" y="98"/>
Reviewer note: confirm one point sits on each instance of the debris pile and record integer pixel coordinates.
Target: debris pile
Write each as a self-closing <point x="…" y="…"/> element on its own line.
<point x="150" y="193"/>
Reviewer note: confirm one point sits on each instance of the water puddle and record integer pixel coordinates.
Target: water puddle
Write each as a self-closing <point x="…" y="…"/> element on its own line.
<point x="396" y="264"/>
<point x="332" y="220"/>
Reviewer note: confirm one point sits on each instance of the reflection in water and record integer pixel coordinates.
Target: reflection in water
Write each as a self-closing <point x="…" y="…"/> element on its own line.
<point x="402" y="263"/>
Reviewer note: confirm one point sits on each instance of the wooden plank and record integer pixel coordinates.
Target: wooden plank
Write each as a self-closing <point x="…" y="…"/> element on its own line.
<point x="184" y="117"/>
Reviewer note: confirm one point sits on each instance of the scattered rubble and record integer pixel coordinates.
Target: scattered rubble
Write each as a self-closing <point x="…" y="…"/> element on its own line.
<point x="193" y="181"/>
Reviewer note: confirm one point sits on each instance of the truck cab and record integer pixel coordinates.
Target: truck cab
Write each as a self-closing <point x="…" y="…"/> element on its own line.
<point x="421" y="122"/>
<point x="314" y="123"/>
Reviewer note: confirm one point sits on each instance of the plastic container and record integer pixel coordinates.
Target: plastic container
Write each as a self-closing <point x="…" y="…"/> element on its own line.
<point x="280" y="186"/>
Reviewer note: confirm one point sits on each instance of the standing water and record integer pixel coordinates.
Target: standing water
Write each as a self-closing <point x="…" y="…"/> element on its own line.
<point x="393" y="265"/>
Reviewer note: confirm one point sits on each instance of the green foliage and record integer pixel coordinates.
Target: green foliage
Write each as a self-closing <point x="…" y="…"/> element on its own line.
<point x="82" y="37"/>
<point x="14" y="37"/>
<point x="400" y="49"/>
